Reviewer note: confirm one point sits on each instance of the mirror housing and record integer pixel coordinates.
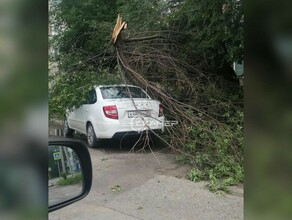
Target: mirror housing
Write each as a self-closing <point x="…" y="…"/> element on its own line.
<point x="85" y="161"/>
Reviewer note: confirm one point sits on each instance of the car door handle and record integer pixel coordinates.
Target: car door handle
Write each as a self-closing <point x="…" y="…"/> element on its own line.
<point x="86" y="109"/>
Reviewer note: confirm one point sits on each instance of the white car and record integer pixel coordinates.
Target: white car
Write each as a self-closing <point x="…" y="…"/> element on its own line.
<point x="112" y="112"/>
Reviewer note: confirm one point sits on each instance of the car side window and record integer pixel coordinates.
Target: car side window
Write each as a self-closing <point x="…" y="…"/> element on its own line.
<point x="92" y="97"/>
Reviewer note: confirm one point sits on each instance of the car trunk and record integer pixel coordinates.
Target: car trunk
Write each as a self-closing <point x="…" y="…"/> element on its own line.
<point x="127" y="110"/>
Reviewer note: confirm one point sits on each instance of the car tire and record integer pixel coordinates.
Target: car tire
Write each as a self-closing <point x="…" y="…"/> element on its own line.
<point x="91" y="137"/>
<point x="155" y="140"/>
<point x="68" y="132"/>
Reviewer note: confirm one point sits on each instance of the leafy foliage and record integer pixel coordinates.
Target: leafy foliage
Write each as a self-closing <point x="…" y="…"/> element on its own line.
<point x="80" y="38"/>
<point x="215" y="31"/>
<point x="142" y="15"/>
<point x="68" y="92"/>
<point x="219" y="160"/>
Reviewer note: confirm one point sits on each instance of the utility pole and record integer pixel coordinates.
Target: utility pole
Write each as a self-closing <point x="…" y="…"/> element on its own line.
<point x="62" y="159"/>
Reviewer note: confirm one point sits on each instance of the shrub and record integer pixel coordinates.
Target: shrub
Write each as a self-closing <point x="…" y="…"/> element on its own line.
<point x="63" y="175"/>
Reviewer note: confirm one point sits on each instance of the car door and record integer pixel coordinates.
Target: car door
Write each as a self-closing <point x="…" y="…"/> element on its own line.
<point x="79" y="119"/>
<point x="71" y="117"/>
<point x="87" y="108"/>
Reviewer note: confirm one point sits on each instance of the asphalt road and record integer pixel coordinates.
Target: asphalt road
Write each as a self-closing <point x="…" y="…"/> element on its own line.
<point x="147" y="185"/>
<point x="59" y="194"/>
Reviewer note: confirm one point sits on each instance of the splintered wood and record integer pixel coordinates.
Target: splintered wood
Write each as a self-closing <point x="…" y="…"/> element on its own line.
<point x="120" y="25"/>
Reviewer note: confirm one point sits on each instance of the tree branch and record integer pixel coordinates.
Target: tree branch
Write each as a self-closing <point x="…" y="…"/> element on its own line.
<point x="143" y="38"/>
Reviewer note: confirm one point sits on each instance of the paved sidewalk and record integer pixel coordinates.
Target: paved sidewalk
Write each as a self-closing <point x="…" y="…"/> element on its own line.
<point x="166" y="197"/>
<point x="163" y="197"/>
<point x="153" y="186"/>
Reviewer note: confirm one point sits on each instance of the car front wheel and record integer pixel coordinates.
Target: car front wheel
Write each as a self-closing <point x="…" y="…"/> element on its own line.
<point x="91" y="137"/>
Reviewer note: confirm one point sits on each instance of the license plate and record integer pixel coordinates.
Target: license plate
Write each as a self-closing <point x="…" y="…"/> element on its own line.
<point x="132" y="114"/>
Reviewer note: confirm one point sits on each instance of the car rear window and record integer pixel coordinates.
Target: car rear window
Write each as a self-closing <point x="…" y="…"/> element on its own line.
<point x="118" y="92"/>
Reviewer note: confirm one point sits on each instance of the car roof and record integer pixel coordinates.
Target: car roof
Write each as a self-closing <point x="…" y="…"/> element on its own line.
<point x="115" y="85"/>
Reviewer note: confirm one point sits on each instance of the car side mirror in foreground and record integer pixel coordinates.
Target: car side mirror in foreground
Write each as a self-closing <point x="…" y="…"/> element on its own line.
<point x="69" y="172"/>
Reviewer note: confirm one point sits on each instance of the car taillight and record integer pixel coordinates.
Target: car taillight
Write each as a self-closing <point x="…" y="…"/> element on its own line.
<point x="160" y="110"/>
<point x="110" y="111"/>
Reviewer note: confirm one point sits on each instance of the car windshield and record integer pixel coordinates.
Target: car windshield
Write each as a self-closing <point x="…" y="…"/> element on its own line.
<point x="117" y="92"/>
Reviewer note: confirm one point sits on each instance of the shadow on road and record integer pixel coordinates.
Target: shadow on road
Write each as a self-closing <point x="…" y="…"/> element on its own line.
<point x="128" y="144"/>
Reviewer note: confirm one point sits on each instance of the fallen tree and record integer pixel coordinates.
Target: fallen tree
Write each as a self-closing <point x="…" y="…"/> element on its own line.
<point x="209" y="130"/>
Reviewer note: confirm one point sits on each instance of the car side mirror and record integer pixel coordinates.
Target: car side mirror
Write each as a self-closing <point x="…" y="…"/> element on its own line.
<point x="69" y="171"/>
